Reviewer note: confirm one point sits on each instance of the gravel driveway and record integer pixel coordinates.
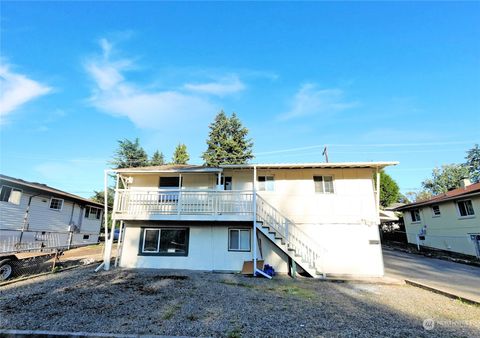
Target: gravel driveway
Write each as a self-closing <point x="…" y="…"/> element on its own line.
<point x="207" y="304"/>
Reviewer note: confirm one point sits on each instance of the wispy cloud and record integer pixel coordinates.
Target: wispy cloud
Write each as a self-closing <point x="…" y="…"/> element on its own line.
<point x="115" y="94"/>
<point x="311" y="100"/>
<point x="17" y="89"/>
<point x="224" y="86"/>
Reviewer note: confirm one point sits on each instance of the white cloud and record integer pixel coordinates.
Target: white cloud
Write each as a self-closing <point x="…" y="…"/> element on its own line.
<point x="17" y="89"/>
<point x="310" y="100"/>
<point x="225" y="86"/>
<point x="115" y="94"/>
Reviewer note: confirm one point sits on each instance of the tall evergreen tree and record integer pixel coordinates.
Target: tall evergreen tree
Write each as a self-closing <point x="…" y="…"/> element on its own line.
<point x="473" y="163"/>
<point x="157" y="158"/>
<point x="129" y="154"/>
<point x="180" y="155"/>
<point x="227" y="142"/>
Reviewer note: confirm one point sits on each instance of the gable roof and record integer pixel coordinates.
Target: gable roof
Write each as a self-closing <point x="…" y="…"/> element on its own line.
<point x="471" y="190"/>
<point x="45" y="188"/>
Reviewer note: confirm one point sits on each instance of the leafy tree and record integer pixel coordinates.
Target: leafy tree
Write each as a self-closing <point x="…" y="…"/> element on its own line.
<point x="473" y="163"/>
<point x="98" y="196"/>
<point x="129" y="154"/>
<point x="157" y="158"/>
<point x="389" y="191"/>
<point x="180" y="155"/>
<point x="227" y="142"/>
<point x="417" y="196"/>
<point x="446" y="178"/>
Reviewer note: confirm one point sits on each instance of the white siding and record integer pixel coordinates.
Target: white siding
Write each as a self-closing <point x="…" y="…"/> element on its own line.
<point x="208" y="250"/>
<point x="43" y="219"/>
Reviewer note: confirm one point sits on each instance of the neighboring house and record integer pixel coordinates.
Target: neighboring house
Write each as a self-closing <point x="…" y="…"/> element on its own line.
<point x="34" y="215"/>
<point x="450" y="221"/>
<point x="321" y="218"/>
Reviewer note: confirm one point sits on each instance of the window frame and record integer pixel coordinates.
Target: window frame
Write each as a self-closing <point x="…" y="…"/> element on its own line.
<point x="59" y="199"/>
<point x="239" y="231"/>
<point x="466" y="209"/>
<point x="98" y="214"/>
<point x="141" y="246"/>
<point x="10" y="194"/>
<point x="323" y="184"/>
<point x="265" y="182"/>
<point x="419" y="216"/>
<point x="433" y="210"/>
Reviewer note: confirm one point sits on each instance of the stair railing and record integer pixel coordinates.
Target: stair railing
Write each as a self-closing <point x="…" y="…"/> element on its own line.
<point x="304" y="246"/>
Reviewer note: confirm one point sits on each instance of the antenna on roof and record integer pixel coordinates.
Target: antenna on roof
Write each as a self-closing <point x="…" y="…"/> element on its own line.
<point x="325" y="153"/>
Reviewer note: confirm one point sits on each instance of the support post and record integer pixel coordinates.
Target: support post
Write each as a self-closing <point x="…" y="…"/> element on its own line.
<point x="119" y="243"/>
<point x="254" y="220"/>
<point x="378" y="195"/>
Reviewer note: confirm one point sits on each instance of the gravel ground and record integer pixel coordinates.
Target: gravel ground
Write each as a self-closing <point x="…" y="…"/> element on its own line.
<point x="207" y="304"/>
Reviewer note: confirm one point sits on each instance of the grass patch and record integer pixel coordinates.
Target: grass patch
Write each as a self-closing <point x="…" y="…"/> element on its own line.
<point x="298" y="292"/>
<point x="235" y="333"/>
<point x="233" y="283"/>
<point x="170" y="312"/>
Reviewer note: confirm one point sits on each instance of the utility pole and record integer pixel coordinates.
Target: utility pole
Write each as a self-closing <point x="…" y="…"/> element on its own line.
<point x="325" y="153"/>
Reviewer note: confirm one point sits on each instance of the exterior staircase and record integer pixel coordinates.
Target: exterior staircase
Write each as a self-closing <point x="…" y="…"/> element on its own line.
<point x="287" y="236"/>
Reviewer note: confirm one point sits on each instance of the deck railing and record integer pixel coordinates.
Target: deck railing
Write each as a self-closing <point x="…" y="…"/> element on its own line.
<point x="183" y="202"/>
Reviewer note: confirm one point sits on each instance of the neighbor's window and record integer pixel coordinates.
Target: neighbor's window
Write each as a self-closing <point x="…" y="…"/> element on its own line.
<point x="266" y="183"/>
<point x="165" y="241"/>
<point x="465" y="208"/>
<point x="239" y="239"/>
<point x="93" y="213"/>
<point x="10" y="195"/>
<point x="56" y="204"/>
<point x="323" y="184"/>
<point x="415" y="214"/>
<point x="436" y="210"/>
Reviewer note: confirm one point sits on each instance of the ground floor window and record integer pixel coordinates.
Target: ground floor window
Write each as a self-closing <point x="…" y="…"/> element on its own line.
<point x="239" y="239"/>
<point x="164" y="241"/>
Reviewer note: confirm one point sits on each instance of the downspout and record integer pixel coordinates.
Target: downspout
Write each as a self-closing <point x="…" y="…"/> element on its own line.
<point x="70" y="230"/>
<point x="254" y="220"/>
<point x="25" y="218"/>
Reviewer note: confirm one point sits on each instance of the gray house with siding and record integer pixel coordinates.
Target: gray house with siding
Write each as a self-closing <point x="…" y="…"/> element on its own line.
<point x="35" y="215"/>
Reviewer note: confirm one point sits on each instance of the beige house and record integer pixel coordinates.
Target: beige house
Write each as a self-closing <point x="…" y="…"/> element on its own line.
<point x="449" y="222"/>
<point x="317" y="218"/>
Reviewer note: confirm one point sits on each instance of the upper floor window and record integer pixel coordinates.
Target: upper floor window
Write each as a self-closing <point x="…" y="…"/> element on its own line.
<point x="465" y="208"/>
<point x="436" y="210"/>
<point x="415" y="215"/>
<point x="92" y="212"/>
<point x="10" y="195"/>
<point x="323" y="184"/>
<point x="266" y="183"/>
<point x="56" y="204"/>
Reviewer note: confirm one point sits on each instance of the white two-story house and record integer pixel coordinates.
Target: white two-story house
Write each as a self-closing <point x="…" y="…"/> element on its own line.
<point x="36" y="216"/>
<point x="318" y="218"/>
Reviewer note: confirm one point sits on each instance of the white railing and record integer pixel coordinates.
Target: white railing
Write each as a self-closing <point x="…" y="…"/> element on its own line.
<point x="304" y="246"/>
<point x="183" y="202"/>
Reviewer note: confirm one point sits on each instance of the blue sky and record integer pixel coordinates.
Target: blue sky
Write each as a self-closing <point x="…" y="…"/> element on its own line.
<point x="374" y="81"/>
